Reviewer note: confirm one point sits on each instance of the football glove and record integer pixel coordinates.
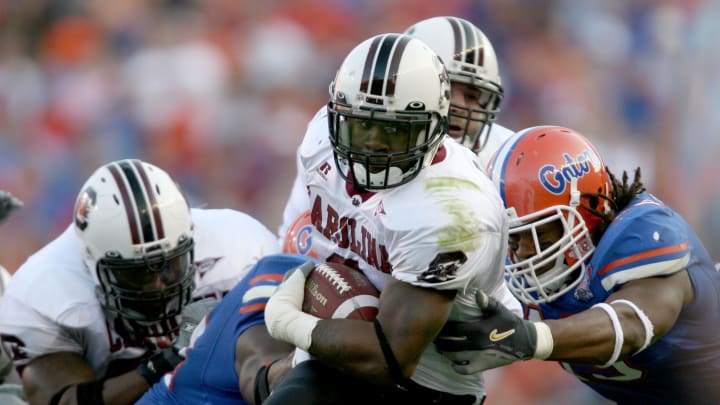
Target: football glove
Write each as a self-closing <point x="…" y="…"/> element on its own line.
<point x="498" y="338"/>
<point x="284" y="317"/>
<point x="158" y="364"/>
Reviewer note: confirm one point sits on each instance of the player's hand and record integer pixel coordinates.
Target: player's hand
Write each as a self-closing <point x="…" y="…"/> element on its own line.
<point x="8" y="203"/>
<point x="498" y="338"/>
<point x="191" y="316"/>
<point x="158" y="364"/>
<point x="284" y="318"/>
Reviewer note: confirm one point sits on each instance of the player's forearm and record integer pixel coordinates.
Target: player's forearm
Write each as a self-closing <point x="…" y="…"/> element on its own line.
<point x="590" y="337"/>
<point x="123" y="389"/>
<point x="351" y="346"/>
<point x="643" y="310"/>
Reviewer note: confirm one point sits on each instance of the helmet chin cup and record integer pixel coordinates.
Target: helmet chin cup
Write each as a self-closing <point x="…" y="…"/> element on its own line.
<point x="393" y="175"/>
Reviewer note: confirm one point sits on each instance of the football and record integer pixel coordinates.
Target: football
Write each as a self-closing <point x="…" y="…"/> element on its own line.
<point x="333" y="290"/>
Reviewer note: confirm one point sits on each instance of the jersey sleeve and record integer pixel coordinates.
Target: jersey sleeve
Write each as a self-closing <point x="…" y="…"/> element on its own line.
<point x="474" y="261"/>
<point x="227" y="244"/>
<point x="648" y="241"/>
<point x="297" y="203"/>
<point x="29" y="334"/>
<point x="450" y="227"/>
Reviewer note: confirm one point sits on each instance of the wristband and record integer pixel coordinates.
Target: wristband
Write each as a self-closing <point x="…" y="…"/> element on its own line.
<point x="55" y="400"/>
<point x="90" y="393"/>
<point x="619" y="335"/>
<point x="545" y="343"/>
<point x="262" y="385"/>
<point x="647" y="324"/>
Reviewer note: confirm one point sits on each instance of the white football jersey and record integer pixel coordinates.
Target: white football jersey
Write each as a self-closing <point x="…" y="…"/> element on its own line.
<point x="446" y="229"/>
<point x="498" y="135"/>
<point x="298" y="203"/>
<point x="51" y="305"/>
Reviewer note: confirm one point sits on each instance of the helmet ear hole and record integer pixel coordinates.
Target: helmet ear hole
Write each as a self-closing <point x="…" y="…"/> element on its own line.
<point x="593" y="201"/>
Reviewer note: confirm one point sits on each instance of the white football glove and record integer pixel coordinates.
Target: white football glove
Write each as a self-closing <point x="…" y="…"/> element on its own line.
<point x="284" y="318"/>
<point x="498" y="338"/>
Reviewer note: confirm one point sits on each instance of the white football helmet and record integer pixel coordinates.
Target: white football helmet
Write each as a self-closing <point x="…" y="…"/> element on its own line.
<point x="387" y="111"/>
<point x="136" y="236"/>
<point x="470" y="59"/>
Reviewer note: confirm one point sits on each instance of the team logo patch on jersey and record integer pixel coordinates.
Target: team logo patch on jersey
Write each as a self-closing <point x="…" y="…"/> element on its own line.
<point x="583" y="292"/>
<point x="380" y="209"/>
<point x="85" y="204"/>
<point x="443" y="267"/>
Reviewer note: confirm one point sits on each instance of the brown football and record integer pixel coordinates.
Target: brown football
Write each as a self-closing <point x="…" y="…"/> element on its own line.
<point x="333" y="290"/>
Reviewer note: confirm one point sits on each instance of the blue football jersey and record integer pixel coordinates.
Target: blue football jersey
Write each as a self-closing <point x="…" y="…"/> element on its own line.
<point x="208" y="374"/>
<point x="648" y="239"/>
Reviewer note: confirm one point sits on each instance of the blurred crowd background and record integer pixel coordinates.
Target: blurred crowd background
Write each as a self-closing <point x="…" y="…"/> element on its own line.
<point x="218" y="92"/>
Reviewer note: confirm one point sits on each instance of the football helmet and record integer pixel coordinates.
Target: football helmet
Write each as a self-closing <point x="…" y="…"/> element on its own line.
<point x="298" y="238"/>
<point x="136" y="237"/>
<point x="550" y="174"/>
<point x="470" y="60"/>
<point x="388" y="111"/>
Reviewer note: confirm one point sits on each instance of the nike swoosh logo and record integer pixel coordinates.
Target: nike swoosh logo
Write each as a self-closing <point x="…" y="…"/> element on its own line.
<point x="495" y="336"/>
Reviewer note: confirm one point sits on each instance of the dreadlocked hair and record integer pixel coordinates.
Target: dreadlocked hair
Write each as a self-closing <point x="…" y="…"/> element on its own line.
<point x="623" y="193"/>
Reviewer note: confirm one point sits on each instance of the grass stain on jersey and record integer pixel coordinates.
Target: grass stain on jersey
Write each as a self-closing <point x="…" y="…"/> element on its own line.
<point x="462" y="232"/>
